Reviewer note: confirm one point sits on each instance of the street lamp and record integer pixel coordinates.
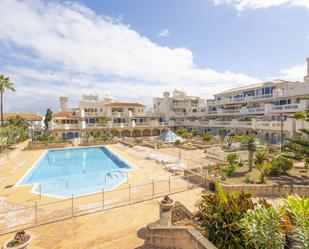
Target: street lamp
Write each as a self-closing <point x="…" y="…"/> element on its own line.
<point x="281" y="126"/>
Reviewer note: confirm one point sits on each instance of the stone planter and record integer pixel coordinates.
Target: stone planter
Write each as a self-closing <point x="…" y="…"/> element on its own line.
<point x="25" y="245"/>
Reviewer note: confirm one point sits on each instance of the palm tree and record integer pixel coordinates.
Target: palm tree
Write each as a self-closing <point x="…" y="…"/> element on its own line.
<point x="5" y="83"/>
<point x="250" y="144"/>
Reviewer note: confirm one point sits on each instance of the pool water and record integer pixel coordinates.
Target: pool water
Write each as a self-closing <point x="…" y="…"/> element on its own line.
<point x="78" y="171"/>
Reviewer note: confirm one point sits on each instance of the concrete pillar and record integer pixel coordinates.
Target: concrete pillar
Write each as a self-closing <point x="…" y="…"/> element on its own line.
<point x="166" y="205"/>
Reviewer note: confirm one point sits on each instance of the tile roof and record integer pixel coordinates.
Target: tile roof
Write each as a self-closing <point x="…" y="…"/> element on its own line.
<point x="120" y="104"/>
<point x="64" y="115"/>
<point x="27" y="116"/>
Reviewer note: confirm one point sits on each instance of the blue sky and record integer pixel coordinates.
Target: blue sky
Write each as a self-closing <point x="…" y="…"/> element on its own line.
<point x="134" y="50"/>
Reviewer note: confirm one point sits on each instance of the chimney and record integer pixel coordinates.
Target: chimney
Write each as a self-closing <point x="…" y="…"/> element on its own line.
<point x="307" y="77"/>
<point x="63" y="103"/>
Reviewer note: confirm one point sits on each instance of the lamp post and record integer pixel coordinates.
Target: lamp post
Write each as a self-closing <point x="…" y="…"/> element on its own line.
<point x="281" y="130"/>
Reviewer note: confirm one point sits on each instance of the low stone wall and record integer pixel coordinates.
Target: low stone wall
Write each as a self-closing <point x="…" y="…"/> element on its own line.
<point x="259" y="190"/>
<point x="48" y="145"/>
<point x="15" y="150"/>
<point x="263" y="190"/>
<point x="177" y="238"/>
<point x="97" y="142"/>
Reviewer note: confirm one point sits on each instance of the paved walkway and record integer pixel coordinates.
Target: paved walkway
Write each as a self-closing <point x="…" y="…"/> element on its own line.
<point x="120" y="228"/>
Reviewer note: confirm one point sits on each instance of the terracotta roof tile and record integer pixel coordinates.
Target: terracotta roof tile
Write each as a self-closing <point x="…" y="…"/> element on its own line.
<point x="27" y="116"/>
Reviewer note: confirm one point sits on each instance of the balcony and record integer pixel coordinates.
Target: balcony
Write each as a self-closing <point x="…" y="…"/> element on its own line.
<point x="66" y="126"/>
<point x="286" y="108"/>
<point x="254" y="110"/>
<point x="275" y="125"/>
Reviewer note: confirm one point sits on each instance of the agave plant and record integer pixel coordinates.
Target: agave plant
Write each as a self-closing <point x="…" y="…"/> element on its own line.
<point x="298" y="209"/>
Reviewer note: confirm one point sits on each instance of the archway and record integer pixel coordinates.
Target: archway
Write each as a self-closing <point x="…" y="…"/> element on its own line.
<point x="126" y="133"/>
<point x="273" y="138"/>
<point x="116" y="133"/>
<point x="266" y="136"/>
<point x="147" y="133"/>
<point x="156" y="132"/>
<point x="70" y="135"/>
<point x="137" y="133"/>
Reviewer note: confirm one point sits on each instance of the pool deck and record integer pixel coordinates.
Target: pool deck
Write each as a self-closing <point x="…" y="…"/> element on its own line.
<point x="119" y="228"/>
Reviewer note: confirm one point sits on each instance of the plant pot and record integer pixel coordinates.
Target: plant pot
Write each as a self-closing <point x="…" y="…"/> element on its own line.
<point x="25" y="245"/>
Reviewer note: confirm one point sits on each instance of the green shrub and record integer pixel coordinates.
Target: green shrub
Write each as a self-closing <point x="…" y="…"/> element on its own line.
<point x="248" y="180"/>
<point x="232" y="158"/>
<point x="260" y="158"/>
<point x="280" y="165"/>
<point x="207" y="137"/>
<point x="226" y="171"/>
<point x="262" y="228"/>
<point x="177" y="142"/>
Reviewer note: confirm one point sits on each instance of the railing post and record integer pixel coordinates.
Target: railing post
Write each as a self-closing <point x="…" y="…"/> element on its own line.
<point x="153" y="190"/>
<point x="129" y="194"/>
<point x="40" y="188"/>
<point x="187" y="181"/>
<point x="169" y="184"/>
<point x="72" y="206"/>
<point x="103" y="199"/>
<point x="35" y="213"/>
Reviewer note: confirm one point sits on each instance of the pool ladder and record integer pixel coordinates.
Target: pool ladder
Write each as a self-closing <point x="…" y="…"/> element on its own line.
<point x="116" y="173"/>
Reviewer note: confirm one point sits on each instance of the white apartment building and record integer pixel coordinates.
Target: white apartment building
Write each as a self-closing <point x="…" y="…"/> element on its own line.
<point x="104" y="117"/>
<point x="179" y="107"/>
<point x="266" y="109"/>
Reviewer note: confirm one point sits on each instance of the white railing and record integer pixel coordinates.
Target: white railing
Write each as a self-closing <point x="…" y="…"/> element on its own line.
<point x="66" y="126"/>
<point x="40" y="212"/>
<point x="288" y="107"/>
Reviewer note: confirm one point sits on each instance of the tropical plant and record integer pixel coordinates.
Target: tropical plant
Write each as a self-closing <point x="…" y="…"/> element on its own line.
<point x="219" y="215"/>
<point x="251" y="144"/>
<point x="207" y="137"/>
<point x="226" y="171"/>
<point x="48" y="117"/>
<point x="95" y="134"/>
<point x="280" y="165"/>
<point x="183" y="132"/>
<point x="17" y="121"/>
<point x="194" y="132"/>
<point x="248" y="180"/>
<point x="232" y="159"/>
<point x="260" y="157"/>
<point x="177" y="142"/>
<point x="5" y="84"/>
<point x="264" y="169"/>
<point x="262" y="228"/>
<point x="223" y="135"/>
<point x="298" y="210"/>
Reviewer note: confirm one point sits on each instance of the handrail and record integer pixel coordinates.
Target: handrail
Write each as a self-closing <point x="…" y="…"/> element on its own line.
<point x="116" y="171"/>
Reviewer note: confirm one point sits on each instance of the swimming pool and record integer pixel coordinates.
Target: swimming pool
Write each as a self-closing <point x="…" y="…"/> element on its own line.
<point x="79" y="171"/>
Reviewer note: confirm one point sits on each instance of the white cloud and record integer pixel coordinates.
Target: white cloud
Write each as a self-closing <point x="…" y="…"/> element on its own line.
<point x="163" y="33"/>
<point x="295" y="73"/>
<point x="257" y="4"/>
<point x="86" y="52"/>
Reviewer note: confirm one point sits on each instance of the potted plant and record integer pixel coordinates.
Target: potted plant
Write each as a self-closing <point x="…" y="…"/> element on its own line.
<point x="21" y="240"/>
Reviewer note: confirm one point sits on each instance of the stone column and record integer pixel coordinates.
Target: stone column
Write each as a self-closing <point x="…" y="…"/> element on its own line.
<point x="166" y="205"/>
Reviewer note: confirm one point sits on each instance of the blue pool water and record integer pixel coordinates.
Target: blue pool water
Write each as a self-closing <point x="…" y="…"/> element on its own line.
<point x="79" y="171"/>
